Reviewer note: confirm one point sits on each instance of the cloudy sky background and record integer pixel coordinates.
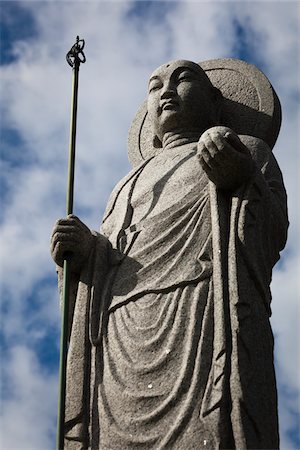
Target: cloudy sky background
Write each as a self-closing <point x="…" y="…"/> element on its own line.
<point x="125" y="42"/>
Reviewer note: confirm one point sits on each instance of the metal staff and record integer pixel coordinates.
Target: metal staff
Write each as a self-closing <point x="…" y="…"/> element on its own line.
<point x="74" y="57"/>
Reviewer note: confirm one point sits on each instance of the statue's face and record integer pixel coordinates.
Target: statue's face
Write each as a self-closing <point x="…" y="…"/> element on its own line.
<point x="180" y="98"/>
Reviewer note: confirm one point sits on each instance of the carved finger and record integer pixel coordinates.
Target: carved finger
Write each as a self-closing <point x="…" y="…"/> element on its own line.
<point x="207" y="140"/>
<point x="209" y="156"/>
<point x="69" y="220"/>
<point x="63" y="247"/>
<point x="71" y="240"/>
<point x="218" y="140"/>
<point x="64" y="234"/>
<point x="236" y="143"/>
<point x="57" y="251"/>
<point x="200" y="146"/>
<point x="204" y="165"/>
<point x="226" y="150"/>
<point x="214" y="143"/>
<point x="65" y="229"/>
<point x="70" y="236"/>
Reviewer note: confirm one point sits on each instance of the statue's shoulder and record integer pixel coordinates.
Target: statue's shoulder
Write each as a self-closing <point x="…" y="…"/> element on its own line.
<point x="119" y="186"/>
<point x="263" y="156"/>
<point x="259" y="149"/>
<point x="267" y="165"/>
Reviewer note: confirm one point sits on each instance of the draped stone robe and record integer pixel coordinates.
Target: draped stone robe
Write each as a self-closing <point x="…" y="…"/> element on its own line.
<point x="170" y="345"/>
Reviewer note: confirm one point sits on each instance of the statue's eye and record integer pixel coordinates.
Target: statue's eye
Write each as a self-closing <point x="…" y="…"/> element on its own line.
<point x="155" y="85"/>
<point x="185" y="76"/>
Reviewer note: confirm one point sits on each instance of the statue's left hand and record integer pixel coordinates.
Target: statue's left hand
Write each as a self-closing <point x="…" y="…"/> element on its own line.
<point x="225" y="159"/>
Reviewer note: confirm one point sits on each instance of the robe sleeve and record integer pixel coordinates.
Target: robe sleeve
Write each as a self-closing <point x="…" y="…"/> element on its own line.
<point x="262" y="217"/>
<point x="102" y="249"/>
<point x="258" y="232"/>
<point x="84" y="316"/>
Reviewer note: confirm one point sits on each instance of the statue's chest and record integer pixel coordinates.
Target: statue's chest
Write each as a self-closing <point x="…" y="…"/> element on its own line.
<point x="164" y="181"/>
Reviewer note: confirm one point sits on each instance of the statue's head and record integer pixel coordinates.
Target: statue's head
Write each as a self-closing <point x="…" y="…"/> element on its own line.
<point x="181" y="98"/>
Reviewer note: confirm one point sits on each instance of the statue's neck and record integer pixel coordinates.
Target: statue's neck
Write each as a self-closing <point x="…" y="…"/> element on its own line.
<point x="176" y="139"/>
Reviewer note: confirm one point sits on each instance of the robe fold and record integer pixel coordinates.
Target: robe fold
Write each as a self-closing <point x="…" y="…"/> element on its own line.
<point x="170" y="341"/>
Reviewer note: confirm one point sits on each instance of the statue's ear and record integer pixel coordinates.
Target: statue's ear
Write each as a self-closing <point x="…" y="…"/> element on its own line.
<point x="157" y="142"/>
<point x="217" y="94"/>
<point x="218" y="98"/>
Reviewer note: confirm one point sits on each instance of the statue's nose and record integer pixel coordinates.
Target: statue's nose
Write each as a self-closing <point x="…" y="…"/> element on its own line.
<point x="168" y="90"/>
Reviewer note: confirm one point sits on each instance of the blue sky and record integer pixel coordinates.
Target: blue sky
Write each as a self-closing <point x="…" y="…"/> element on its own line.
<point x="125" y="42"/>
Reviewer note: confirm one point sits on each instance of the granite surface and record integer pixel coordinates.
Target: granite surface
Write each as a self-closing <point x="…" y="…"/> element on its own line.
<point x="170" y="339"/>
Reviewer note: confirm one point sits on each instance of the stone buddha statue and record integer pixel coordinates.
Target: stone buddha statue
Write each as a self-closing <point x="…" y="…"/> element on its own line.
<point x="170" y="341"/>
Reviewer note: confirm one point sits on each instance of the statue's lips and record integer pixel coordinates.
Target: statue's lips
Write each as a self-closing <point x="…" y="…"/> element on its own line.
<point x="169" y="106"/>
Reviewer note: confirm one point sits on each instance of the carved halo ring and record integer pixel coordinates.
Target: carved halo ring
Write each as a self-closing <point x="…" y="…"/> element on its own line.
<point x="251" y="106"/>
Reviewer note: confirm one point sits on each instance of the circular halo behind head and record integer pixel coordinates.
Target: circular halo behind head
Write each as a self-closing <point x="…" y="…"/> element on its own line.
<point x="250" y="107"/>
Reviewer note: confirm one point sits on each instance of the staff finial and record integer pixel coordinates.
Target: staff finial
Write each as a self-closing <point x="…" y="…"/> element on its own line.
<point x="75" y="56"/>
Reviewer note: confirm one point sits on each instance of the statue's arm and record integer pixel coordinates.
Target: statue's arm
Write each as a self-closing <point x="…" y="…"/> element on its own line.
<point x="225" y="159"/>
<point x="266" y="196"/>
<point x="90" y="254"/>
<point x="245" y="165"/>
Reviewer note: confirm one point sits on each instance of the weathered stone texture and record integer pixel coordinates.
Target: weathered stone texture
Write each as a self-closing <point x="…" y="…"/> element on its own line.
<point x="170" y="340"/>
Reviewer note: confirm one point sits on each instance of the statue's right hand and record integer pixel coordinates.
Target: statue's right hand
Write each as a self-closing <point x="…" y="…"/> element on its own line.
<point x="70" y="235"/>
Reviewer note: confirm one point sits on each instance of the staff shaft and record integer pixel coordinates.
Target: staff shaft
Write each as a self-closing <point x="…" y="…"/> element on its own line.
<point x="73" y="129"/>
<point x="67" y="256"/>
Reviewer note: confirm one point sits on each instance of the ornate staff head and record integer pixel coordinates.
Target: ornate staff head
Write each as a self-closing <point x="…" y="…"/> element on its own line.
<point x="75" y="56"/>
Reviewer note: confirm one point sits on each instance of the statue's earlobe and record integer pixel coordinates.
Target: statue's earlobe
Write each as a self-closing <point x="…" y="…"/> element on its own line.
<point x="218" y="97"/>
<point x="217" y="94"/>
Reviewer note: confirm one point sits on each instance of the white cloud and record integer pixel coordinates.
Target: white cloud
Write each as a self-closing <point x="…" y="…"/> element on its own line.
<point x="28" y="421"/>
<point x="122" y="50"/>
